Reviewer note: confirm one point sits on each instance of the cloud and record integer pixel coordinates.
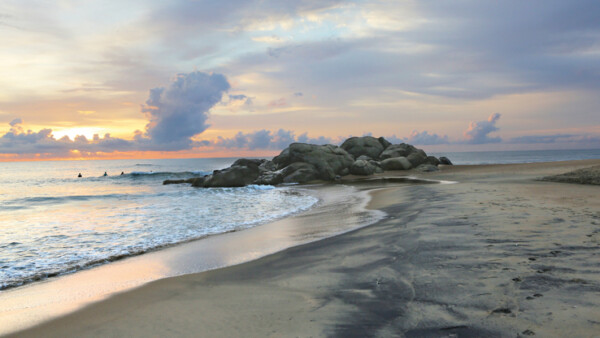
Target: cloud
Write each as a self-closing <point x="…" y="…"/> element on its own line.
<point x="477" y="133"/>
<point x="267" y="140"/>
<point x="179" y="111"/>
<point x="16" y="122"/>
<point x="281" y="102"/>
<point x="175" y="113"/>
<point x="298" y="94"/>
<point x="424" y="138"/>
<point x="18" y="141"/>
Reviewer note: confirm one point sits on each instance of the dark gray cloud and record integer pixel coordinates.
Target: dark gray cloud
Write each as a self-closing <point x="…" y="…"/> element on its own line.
<point x="241" y="97"/>
<point x="176" y="113"/>
<point x="179" y="111"/>
<point x="18" y="141"/>
<point x="478" y="132"/>
<point x="470" y="50"/>
<point x="16" y="122"/>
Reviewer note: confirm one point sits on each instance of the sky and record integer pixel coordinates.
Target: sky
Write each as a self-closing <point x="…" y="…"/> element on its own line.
<point x="85" y="79"/>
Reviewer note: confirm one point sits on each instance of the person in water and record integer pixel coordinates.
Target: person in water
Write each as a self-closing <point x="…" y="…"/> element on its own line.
<point x="105" y="174"/>
<point x="79" y="175"/>
<point x="122" y="173"/>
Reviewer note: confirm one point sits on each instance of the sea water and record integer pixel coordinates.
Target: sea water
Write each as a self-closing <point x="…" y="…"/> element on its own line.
<point x="53" y="222"/>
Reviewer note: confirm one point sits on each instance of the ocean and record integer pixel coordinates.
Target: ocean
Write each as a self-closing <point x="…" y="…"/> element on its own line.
<point x="52" y="222"/>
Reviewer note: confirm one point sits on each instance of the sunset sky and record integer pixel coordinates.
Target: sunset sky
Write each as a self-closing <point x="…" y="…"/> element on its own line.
<point x="229" y="78"/>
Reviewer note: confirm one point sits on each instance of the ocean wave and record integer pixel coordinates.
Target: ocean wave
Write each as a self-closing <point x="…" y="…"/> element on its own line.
<point x="165" y="173"/>
<point x="181" y="216"/>
<point x="21" y="203"/>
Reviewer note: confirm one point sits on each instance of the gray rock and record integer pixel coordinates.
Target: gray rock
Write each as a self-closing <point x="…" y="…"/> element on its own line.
<point x="362" y="167"/>
<point x="364" y="157"/>
<point x="417" y="158"/>
<point x="427" y="167"/>
<point x="267" y="166"/>
<point x="198" y="181"/>
<point x="248" y="162"/>
<point x="396" y="163"/>
<point x="385" y="143"/>
<point x="270" y="178"/>
<point x="329" y="160"/>
<point x="397" y="150"/>
<point x="300" y="172"/>
<point x="165" y="182"/>
<point x="366" y="145"/>
<point x="234" y="176"/>
<point x="445" y="160"/>
<point x="432" y="160"/>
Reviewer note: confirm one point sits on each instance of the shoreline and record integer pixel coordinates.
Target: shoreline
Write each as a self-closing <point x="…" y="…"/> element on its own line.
<point x="447" y="259"/>
<point x="47" y="299"/>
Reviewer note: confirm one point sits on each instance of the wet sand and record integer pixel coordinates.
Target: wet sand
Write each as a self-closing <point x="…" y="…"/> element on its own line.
<point x="499" y="254"/>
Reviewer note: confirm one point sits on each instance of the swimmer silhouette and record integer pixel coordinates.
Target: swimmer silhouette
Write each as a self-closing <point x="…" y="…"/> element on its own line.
<point x="79" y="175"/>
<point x="122" y="173"/>
<point x="105" y="174"/>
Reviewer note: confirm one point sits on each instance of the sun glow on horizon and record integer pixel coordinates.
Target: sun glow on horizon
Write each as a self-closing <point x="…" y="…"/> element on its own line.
<point x="88" y="132"/>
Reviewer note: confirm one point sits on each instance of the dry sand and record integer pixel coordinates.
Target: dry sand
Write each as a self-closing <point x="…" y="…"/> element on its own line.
<point x="498" y="254"/>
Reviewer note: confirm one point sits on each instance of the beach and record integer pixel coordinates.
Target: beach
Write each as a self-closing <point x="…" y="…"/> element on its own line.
<point x="498" y="253"/>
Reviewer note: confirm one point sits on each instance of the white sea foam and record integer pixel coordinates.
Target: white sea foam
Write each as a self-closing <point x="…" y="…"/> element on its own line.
<point x="51" y="224"/>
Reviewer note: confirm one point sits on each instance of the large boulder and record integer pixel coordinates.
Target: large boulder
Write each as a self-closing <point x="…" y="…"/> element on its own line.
<point x="362" y="167"/>
<point x="248" y="162"/>
<point x="396" y="163"/>
<point x="328" y="160"/>
<point x="234" y="176"/>
<point x="398" y="150"/>
<point x="267" y="166"/>
<point x="385" y="143"/>
<point x="445" y="160"/>
<point x="366" y="145"/>
<point x="432" y="160"/>
<point x="299" y="172"/>
<point x="416" y="159"/>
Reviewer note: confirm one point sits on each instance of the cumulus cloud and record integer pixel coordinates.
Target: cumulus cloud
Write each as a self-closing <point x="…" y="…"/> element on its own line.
<point x="18" y="141"/>
<point x="424" y="138"/>
<point x="265" y="139"/>
<point x="179" y="111"/>
<point x="15" y="122"/>
<point x="478" y="132"/>
<point x="176" y="113"/>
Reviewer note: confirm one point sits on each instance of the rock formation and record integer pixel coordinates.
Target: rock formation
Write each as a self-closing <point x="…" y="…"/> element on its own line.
<point x="302" y="163"/>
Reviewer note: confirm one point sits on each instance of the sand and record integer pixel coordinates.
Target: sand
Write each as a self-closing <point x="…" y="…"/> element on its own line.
<point x="499" y="254"/>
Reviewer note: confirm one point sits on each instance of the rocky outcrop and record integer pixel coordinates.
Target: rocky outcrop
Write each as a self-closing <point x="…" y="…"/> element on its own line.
<point x="366" y="145"/>
<point x="417" y="158"/>
<point x="234" y="176"/>
<point x="396" y="163"/>
<point x="445" y="160"/>
<point x="329" y="160"/>
<point x="432" y="160"/>
<point x="427" y="167"/>
<point x="302" y="163"/>
<point x="398" y="150"/>
<point x="362" y="167"/>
